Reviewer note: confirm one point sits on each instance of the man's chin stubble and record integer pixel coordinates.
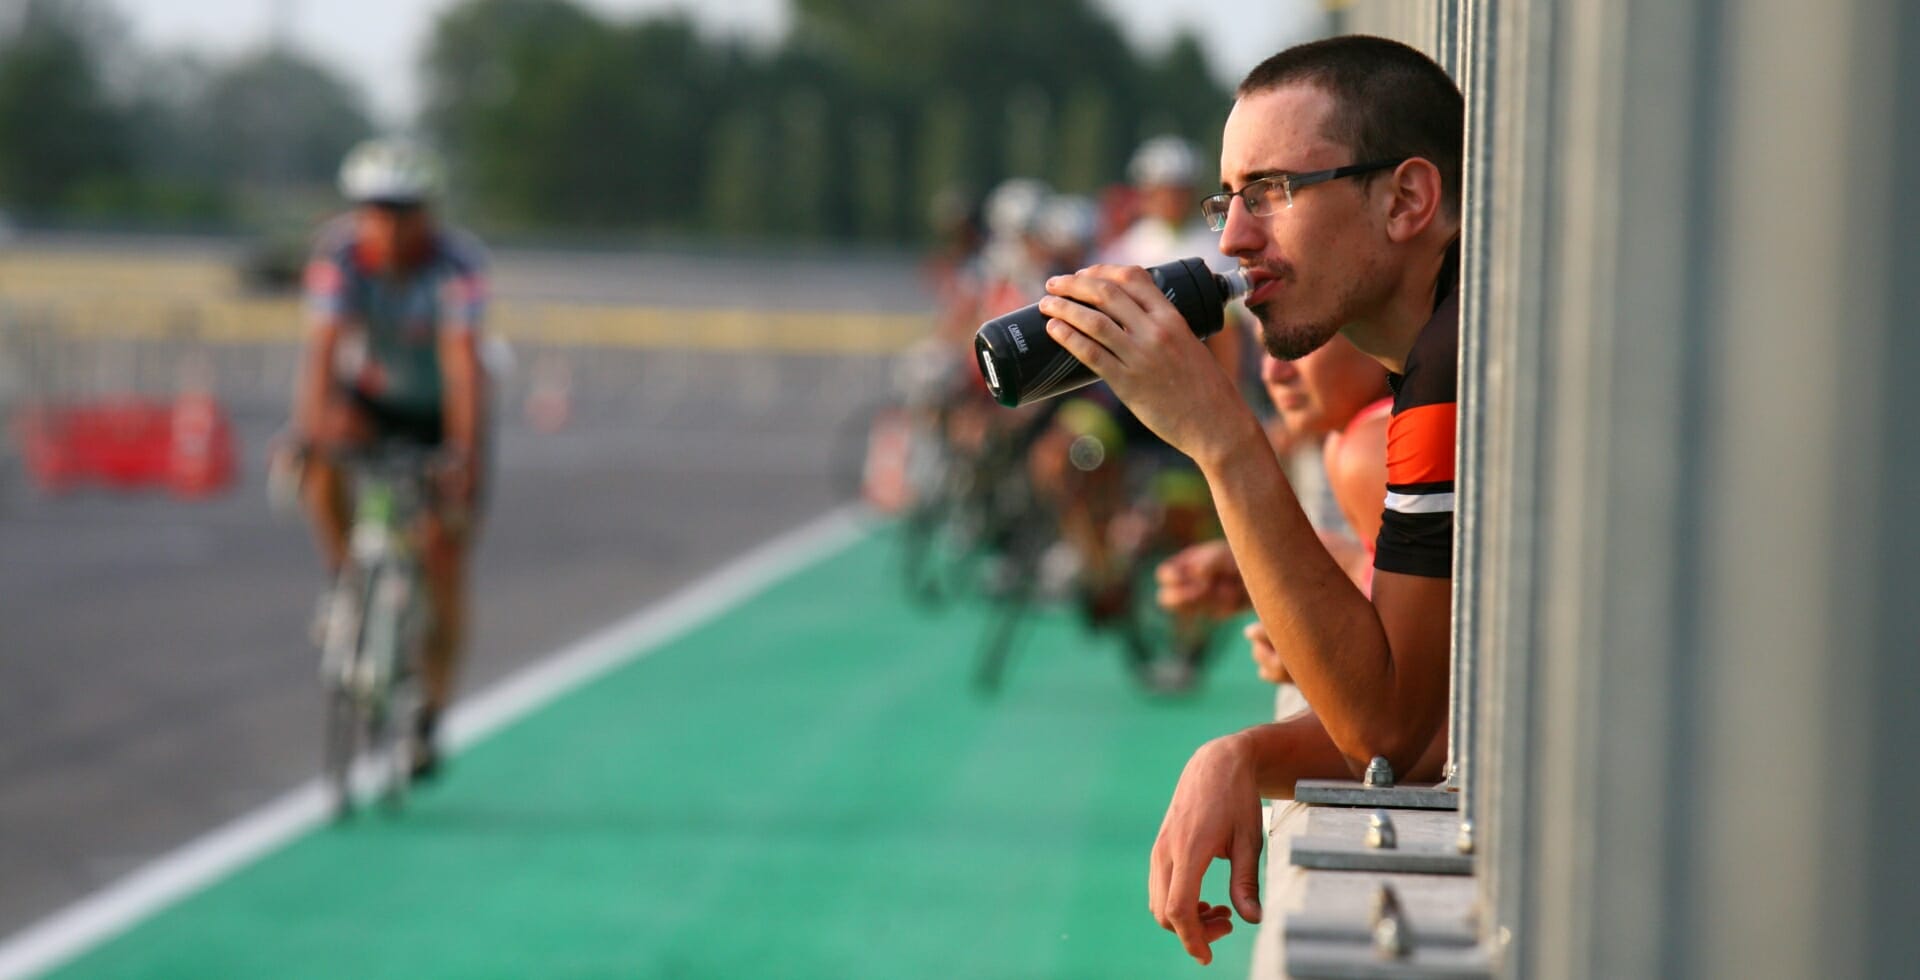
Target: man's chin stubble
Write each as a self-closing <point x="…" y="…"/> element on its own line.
<point x="1292" y="344"/>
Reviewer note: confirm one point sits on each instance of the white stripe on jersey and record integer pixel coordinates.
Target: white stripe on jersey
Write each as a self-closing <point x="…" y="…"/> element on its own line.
<point x="1420" y="503"/>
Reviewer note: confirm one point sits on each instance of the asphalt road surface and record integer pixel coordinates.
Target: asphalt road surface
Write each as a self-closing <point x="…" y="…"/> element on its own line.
<point x="155" y="680"/>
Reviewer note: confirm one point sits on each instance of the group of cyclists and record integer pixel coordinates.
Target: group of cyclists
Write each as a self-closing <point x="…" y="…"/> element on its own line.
<point x="1113" y="495"/>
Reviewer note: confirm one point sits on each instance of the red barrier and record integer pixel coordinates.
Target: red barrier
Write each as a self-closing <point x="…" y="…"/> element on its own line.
<point x="126" y="443"/>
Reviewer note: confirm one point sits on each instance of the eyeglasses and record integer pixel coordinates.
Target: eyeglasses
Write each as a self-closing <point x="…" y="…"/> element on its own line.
<point x="1269" y="194"/>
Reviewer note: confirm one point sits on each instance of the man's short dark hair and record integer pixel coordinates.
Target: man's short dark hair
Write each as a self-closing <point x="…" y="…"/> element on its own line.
<point x="1389" y="100"/>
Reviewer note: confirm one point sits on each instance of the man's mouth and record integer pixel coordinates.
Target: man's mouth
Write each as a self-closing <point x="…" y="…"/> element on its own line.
<point x="1261" y="286"/>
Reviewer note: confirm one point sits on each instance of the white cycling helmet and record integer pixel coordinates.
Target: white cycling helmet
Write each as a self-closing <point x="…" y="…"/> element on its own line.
<point x="1014" y="206"/>
<point x="1163" y="161"/>
<point x="1068" y="221"/>
<point x="393" y="170"/>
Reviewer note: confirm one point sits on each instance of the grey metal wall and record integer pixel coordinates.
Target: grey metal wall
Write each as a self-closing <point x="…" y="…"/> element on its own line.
<point x="1696" y="583"/>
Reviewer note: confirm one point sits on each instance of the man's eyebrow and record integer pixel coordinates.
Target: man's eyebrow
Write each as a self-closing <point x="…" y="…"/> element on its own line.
<point x="1257" y="175"/>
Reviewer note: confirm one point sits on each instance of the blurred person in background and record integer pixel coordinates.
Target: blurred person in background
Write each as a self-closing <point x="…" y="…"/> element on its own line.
<point x="1164" y="172"/>
<point x="1066" y="227"/>
<point x="1014" y="259"/>
<point x="393" y="354"/>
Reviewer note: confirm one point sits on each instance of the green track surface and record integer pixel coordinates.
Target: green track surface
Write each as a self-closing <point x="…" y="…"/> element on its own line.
<point x="803" y="787"/>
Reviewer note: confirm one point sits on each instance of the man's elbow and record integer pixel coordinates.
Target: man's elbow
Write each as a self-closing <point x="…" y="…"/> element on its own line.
<point x="1403" y="746"/>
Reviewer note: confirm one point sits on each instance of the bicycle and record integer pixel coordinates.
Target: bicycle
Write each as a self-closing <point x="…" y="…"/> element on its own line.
<point x="374" y="624"/>
<point x="1164" y="653"/>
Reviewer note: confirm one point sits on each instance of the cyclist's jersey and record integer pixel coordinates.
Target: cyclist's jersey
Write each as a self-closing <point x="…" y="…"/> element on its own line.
<point x="1416" y="530"/>
<point x="392" y="325"/>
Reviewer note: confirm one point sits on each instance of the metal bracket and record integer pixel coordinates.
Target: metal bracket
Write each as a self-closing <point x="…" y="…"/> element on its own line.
<point x="1326" y="854"/>
<point x="1388" y="948"/>
<point x="1421" y="842"/>
<point x="1346" y="792"/>
<point x="1321" y="960"/>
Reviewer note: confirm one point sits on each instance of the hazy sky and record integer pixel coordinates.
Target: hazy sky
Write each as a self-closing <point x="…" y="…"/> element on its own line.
<point x="375" y="41"/>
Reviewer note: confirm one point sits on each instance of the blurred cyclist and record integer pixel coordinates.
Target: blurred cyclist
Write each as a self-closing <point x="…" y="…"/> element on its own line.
<point x="1163" y="171"/>
<point x="393" y="354"/>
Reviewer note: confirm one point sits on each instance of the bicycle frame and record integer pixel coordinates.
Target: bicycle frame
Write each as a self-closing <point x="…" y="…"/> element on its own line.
<point x="376" y="625"/>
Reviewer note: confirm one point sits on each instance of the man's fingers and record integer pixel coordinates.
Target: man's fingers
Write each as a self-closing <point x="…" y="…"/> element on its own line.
<point x="1135" y="284"/>
<point x="1082" y="347"/>
<point x="1183" y="910"/>
<point x="1095" y="324"/>
<point x="1157" y="888"/>
<point x="1104" y="287"/>
<point x="1244" y="882"/>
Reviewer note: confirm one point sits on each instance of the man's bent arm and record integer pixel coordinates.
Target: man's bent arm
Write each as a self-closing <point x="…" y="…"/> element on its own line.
<point x="1375" y="672"/>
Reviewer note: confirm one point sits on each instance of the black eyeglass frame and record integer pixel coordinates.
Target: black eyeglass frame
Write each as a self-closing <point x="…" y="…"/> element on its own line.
<point x="1286" y="182"/>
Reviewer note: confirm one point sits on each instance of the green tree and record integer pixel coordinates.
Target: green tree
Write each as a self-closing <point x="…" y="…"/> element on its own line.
<point x="277" y="119"/>
<point x="801" y="173"/>
<point x="59" y="127"/>
<point x="941" y="157"/>
<point x="738" y="185"/>
<point x="558" y="116"/>
<point x="491" y="70"/>
<point x="1029" y="132"/>
<point x="1088" y="155"/>
<point x="876" y="178"/>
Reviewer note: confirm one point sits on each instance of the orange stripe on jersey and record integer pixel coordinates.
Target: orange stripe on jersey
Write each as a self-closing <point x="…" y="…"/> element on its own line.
<point x="1420" y="445"/>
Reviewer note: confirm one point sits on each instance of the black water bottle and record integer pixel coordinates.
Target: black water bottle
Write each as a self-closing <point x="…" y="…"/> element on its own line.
<point x="1022" y="364"/>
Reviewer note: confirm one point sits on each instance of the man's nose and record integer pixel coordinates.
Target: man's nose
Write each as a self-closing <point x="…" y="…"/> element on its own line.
<point x="1242" y="234"/>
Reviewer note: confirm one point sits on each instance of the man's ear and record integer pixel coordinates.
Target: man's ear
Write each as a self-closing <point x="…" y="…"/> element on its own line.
<point x="1416" y="198"/>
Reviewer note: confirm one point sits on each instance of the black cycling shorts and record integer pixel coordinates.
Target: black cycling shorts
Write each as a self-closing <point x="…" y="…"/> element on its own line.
<point x="391" y="424"/>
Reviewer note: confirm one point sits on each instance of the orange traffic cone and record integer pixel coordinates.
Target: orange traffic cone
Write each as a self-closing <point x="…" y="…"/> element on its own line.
<point x="200" y="457"/>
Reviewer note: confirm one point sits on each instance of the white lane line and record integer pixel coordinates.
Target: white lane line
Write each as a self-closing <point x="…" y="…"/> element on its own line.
<point x="179" y="873"/>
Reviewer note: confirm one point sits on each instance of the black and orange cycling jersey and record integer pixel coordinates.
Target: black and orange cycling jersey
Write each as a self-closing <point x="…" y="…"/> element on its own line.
<point x="1416" y="530"/>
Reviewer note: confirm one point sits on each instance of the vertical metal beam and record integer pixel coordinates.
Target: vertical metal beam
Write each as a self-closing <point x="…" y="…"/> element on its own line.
<point x="1474" y="61"/>
<point x="1512" y="119"/>
<point x="1804" y="590"/>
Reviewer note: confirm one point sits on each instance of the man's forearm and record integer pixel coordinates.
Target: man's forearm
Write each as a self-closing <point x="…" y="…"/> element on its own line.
<point x="1283" y="752"/>
<point x="1326" y="632"/>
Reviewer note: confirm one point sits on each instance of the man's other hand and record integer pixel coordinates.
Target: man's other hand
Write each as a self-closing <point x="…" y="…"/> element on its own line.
<point x="1215" y="813"/>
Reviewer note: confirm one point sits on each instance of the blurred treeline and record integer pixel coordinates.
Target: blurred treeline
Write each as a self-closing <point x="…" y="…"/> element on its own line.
<point x="555" y="117"/>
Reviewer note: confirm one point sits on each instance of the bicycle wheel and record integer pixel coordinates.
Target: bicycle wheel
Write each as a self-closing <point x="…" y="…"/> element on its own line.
<point x="345" y="705"/>
<point x="342" y="747"/>
<point x="385" y="649"/>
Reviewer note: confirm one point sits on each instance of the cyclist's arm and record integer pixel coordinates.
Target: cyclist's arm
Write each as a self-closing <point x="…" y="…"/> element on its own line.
<point x="462" y="374"/>
<point x="315" y="372"/>
<point x="463" y="383"/>
<point x="324" y="284"/>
